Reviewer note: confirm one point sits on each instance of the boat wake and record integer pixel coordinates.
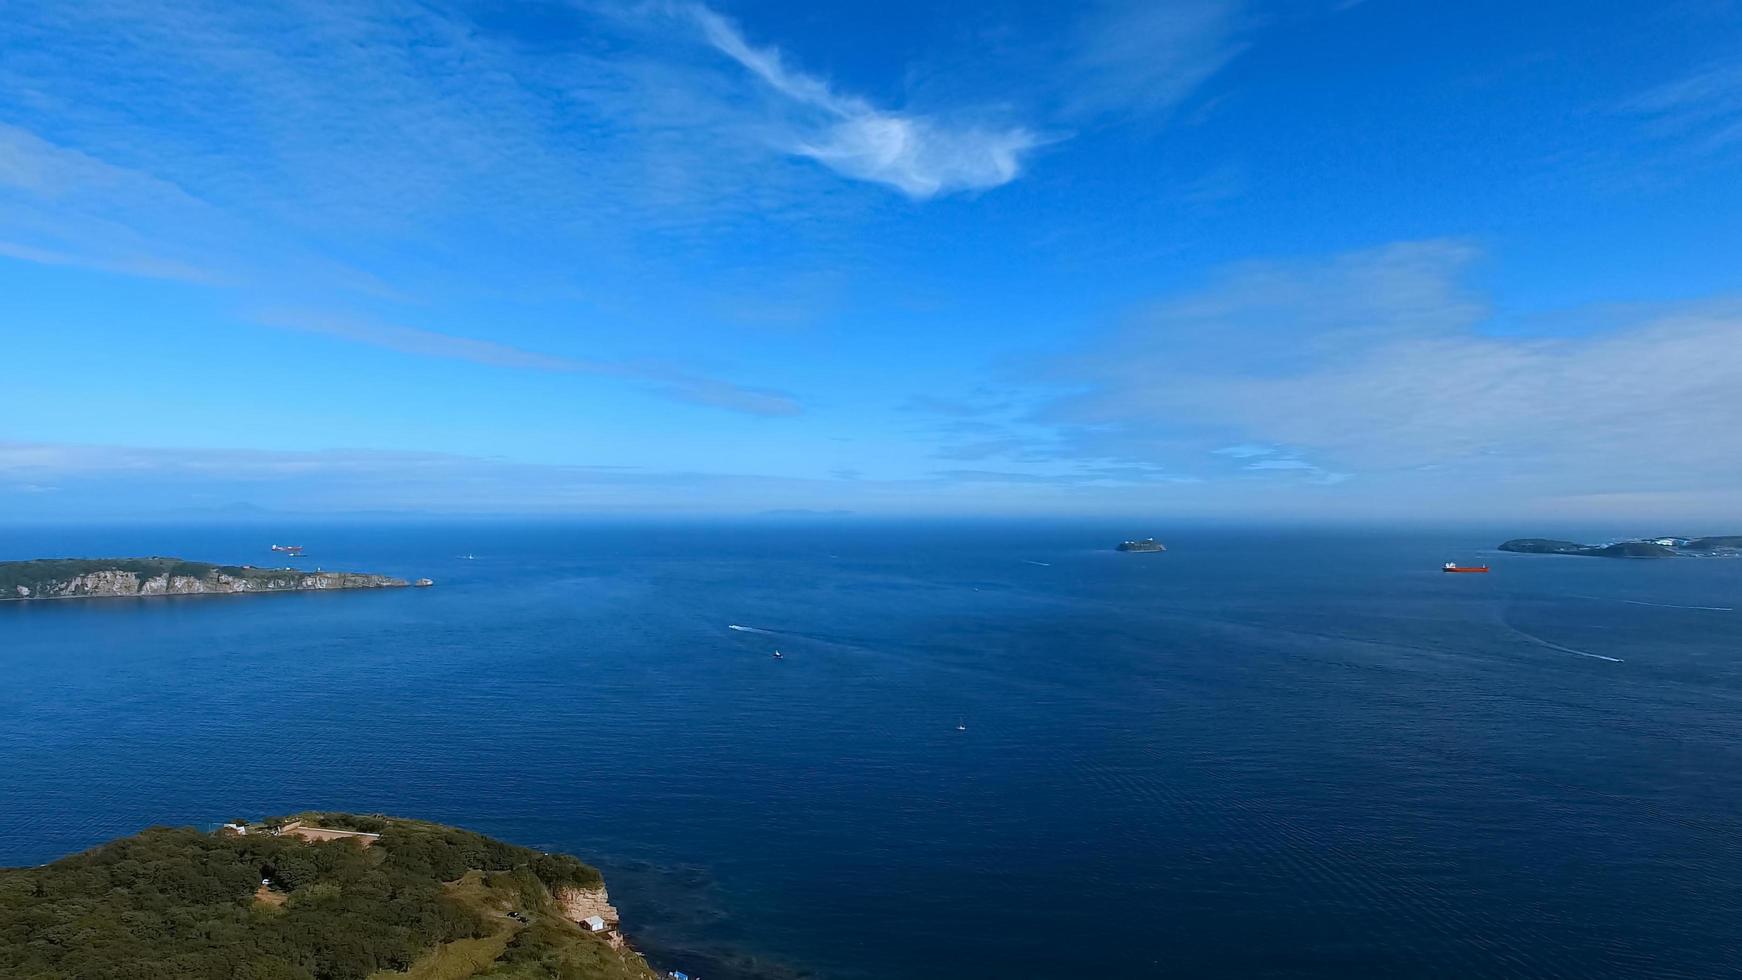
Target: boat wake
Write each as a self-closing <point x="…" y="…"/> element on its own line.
<point x="1539" y="641"/>
<point x="855" y="642"/>
<point x="1043" y="564"/>
<point x="1660" y="605"/>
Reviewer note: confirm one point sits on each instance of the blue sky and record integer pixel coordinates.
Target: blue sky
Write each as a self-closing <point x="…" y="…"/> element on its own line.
<point x="1205" y="258"/>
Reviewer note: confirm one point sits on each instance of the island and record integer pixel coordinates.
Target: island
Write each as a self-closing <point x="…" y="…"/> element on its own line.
<point x="1147" y="544"/>
<point x="318" y="896"/>
<point x="74" y="578"/>
<point x="1666" y="546"/>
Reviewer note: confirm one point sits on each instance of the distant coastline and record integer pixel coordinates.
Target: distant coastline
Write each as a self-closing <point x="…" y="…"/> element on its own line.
<point x="1667" y="546"/>
<point x="114" y="578"/>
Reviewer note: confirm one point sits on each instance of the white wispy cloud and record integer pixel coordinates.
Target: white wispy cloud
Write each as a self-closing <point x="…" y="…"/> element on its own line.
<point x="424" y="343"/>
<point x="385" y="130"/>
<point x="1141" y="57"/>
<point x="666" y="381"/>
<point x="313" y="141"/>
<point x="1382" y="364"/>
<point x="920" y="155"/>
<point x="1702" y="108"/>
<point x="64" y="207"/>
<point x="135" y="264"/>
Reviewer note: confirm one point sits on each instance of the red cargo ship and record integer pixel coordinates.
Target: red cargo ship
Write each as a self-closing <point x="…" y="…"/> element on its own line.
<point x="1452" y="566"/>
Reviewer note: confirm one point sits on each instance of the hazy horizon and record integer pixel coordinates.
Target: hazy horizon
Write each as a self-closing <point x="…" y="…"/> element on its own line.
<point x="1095" y="531"/>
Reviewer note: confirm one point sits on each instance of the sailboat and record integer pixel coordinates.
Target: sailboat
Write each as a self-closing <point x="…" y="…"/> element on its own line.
<point x="960" y="727"/>
<point x="777" y="655"/>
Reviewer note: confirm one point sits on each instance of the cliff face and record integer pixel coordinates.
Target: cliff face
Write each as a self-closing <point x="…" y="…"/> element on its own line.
<point x="116" y="582"/>
<point x="579" y="903"/>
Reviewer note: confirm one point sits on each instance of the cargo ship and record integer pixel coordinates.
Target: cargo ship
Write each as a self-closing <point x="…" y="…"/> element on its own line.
<point x="1452" y="566"/>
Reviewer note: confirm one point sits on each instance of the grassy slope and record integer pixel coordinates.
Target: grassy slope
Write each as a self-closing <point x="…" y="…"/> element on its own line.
<point x="463" y="958"/>
<point x="549" y="947"/>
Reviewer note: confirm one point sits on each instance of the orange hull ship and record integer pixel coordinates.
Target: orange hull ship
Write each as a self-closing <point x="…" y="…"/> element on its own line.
<point x="1455" y="567"/>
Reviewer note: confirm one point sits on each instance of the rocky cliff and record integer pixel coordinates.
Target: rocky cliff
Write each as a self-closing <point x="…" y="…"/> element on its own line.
<point x="579" y="903"/>
<point x="101" y="577"/>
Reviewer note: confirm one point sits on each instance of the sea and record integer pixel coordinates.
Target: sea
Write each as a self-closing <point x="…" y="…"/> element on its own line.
<point x="991" y="749"/>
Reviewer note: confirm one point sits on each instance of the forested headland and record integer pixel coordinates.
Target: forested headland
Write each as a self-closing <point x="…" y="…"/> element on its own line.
<point x="182" y="904"/>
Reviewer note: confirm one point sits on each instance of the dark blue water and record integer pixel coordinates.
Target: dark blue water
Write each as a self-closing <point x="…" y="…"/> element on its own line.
<point x="1262" y="754"/>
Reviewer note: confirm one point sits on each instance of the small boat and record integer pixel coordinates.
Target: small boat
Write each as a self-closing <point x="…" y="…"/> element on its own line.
<point x="960" y="727"/>
<point x="1452" y="566"/>
<point x="778" y="656"/>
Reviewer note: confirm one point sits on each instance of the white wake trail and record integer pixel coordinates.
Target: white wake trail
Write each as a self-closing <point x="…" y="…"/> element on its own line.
<point x="1556" y="646"/>
<point x="1660" y="605"/>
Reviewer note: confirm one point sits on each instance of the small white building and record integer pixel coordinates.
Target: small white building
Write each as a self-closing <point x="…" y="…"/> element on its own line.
<point x="237" y="828"/>
<point x="593" y="923"/>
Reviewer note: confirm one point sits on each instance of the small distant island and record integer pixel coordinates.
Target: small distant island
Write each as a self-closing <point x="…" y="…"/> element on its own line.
<point x="76" y="578"/>
<point x="1667" y="546"/>
<point x="1147" y="544"/>
<point x="318" y="896"/>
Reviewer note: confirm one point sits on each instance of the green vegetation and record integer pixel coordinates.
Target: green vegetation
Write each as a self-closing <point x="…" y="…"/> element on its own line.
<point x="56" y="577"/>
<point x="1717" y="542"/>
<point x="1617" y="550"/>
<point x="1637" y="548"/>
<point x="177" y="904"/>
<point x="549" y="949"/>
<point x="1544" y="546"/>
<point x="37" y="575"/>
<point x="1621" y="549"/>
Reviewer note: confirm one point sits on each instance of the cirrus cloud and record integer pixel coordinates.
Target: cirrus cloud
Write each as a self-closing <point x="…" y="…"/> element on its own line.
<point x="663" y="380"/>
<point x="920" y="155"/>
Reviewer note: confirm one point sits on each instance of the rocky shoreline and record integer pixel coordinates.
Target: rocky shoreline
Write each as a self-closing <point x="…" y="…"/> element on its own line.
<point x="99" y="578"/>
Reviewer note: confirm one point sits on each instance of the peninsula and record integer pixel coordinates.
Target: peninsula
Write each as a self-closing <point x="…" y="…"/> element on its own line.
<point x="1668" y="546"/>
<point x="320" y="896"/>
<point x="72" y="578"/>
